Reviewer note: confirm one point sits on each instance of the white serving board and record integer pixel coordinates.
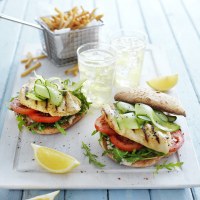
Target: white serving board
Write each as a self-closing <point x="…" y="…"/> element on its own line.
<point x="19" y="170"/>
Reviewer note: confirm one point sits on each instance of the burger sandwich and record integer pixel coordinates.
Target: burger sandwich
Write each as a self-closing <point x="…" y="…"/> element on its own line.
<point x="139" y="128"/>
<point x="49" y="106"/>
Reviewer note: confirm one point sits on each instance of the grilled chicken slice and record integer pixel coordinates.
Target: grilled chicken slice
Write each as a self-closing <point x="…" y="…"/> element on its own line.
<point x="69" y="106"/>
<point x="148" y="136"/>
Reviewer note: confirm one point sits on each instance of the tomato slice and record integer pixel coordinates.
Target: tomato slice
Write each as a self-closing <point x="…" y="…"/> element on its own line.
<point x="44" y="118"/>
<point x="102" y="126"/>
<point x="125" y="144"/>
<point x="17" y="107"/>
<point x="177" y="141"/>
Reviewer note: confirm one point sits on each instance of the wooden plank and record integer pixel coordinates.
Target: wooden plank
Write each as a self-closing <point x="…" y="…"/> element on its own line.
<point x="188" y="42"/>
<point x="162" y="36"/>
<point x="33" y="193"/>
<point x="191" y="8"/>
<point x="10" y="194"/>
<point x="110" y="11"/>
<point x="183" y="194"/>
<point x="86" y="195"/>
<point x="4" y="194"/>
<point x="187" y="39"/>
<point x="2" y="5"/>
<point x="196" y="193"/>
<point x="8" y="46"/>
<point x="87" y="5"/>
<point x="130" y="15"/>
<point x="129" y="194"/>
<point x="28" y="35"/>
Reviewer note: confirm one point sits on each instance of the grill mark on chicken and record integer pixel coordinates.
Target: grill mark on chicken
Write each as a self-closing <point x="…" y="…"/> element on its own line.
<point x="145" y="134"/>
<point x="155" y="134"/>
<point x="36" y="102"/>
<point x="46" y="104"/>
<point x="69" y="106"/>
<point x="26" y="91"/>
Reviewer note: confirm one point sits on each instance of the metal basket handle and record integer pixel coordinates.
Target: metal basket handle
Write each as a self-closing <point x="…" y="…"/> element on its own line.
<point x="20" y="21"/>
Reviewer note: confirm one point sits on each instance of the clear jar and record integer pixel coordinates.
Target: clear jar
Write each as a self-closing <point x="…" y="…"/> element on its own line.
<point x="130" y="46"/>
<point x="97" y="66"/>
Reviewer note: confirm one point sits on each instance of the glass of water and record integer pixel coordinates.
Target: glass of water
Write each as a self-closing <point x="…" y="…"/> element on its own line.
<point x="130" y="46"/>
<point x="96" y="63"/>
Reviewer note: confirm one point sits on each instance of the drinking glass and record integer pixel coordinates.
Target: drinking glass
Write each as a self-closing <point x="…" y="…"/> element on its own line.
<point x="130" y="46"/>
<point x="96" y="63"/>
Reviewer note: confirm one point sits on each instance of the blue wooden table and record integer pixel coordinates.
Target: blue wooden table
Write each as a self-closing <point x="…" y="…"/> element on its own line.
<point x="172" y="24"/>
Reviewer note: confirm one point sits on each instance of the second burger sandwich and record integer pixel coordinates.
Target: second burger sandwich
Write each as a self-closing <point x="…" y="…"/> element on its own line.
<point x="49" y="106"/>
<point x="140" y="129"/>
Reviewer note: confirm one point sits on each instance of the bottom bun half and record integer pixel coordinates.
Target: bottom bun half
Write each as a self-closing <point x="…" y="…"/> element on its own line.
<point x="53" y="130"/>
<point x="138" y="164"/>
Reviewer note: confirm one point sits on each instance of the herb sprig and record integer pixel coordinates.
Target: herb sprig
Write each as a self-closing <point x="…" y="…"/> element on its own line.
<point x="21" y="122"/>
<point x="75" y="89"/>
<point x="94" y="132"/>
<point x="92" y="157"/>
<point x="132" y="157"/>
<point x="62" y="130"/>
<point x="169" y="166"/>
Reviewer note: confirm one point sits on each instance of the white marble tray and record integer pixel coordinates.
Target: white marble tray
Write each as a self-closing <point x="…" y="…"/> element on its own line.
<point x="19" y="170"/>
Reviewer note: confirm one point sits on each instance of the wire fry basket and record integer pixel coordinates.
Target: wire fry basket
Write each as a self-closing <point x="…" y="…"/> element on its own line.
<point x="61" y="47"/>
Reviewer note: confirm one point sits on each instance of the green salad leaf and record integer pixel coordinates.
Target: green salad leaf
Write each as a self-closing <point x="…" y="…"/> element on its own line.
<point x="169" y="166"/>
<point x="92" y="157"/>
<point x="94" y="132"/>
<point x="21" y="122"/>
<point x="75" y="89"/>
<point x="62" y="130"/>
<point x="85" y="105"/>
<point x="36" y="125"/>
<point x="132" y="157"/>
<point x="12" y="98"/>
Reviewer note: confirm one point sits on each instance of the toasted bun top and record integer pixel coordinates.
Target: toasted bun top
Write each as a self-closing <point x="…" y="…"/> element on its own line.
<point x="157" y="100"/>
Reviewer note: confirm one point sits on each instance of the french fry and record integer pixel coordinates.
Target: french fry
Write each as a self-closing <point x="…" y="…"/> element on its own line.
<point x="67" y="22"/>
<point x="28" y="63"/>
<point x="74" y="73"/>
<point x="82" y="9"/>
<point x="93" y="12"/>
<point x="48" y="22"/>
<point x="76" y="18"/>
<point x="42" y="56"/>
<point x="28" y="71"/>
<point x="98" y="17"/>
<point x="73" y="70"/>
<point x="61" y="16"/>
<point x="58" y="11"/>
<point x="29" y="60"/>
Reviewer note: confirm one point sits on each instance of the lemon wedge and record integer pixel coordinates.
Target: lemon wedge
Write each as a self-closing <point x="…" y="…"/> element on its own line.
<point x="163" y="83"/>
<point x="54" y="161"/>
<point x="49" y="196"/>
